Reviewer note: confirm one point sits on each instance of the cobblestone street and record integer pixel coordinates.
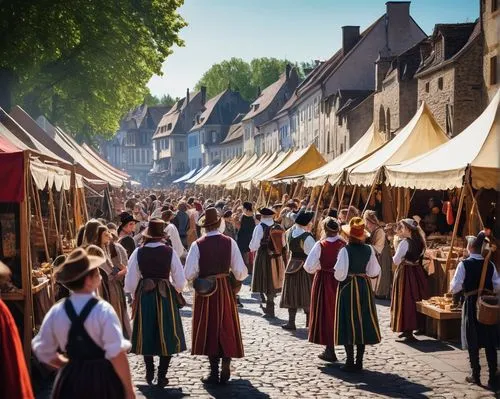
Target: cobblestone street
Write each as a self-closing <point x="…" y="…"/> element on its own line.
<point x="280" y="364"/>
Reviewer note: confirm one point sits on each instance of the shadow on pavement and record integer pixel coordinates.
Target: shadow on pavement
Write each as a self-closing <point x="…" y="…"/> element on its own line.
<point x="235" y="389"/>
<point x="431" y="345"/>
<point x="155" y="392"/>
<point x="386" y="384"/>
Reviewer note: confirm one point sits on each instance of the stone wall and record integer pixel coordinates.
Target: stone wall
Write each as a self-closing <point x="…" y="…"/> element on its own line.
<point x="491" y="29"/>
<point x="359" y="120"/>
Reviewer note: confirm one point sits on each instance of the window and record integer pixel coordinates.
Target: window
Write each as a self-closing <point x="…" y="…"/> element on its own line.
<point x="440" y="83"/>
<point x="381" y="119"/>
<point x="309" y="112"/>
<point x="213" y="133"/>
<point x="427" y="87"/>
<point x="493" y="70"/>
<point x="449" y="119"/>
<point x="494" y="5"/>
<point x="339" y="120"/>
<point x="169" y="127"/>
<point x="316" y="107"/>
<point x="345" y="143"/>
<point x="388" y="123"/>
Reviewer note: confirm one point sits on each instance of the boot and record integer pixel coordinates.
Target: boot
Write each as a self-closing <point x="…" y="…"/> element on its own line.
<point x="307" y="319"/>
<point x="150" y="369"/>
<point x="492" y="358"/>
<point x="328" y="354"/>
<point x="238" y="301"/>
<point x="162" y="371"/>
<point x="291" y="320"/>
<point x="475" y="366"/>
<point x="473" y="379"/>
<point x="213" y="377"/>
<point x="269" y="310"/>
<point x="262" y="298"/>
<point x="349" y="362"/>
<point x="406" y="337"/>
<point x="225" y="373"/>
<point x="360" y="351"/>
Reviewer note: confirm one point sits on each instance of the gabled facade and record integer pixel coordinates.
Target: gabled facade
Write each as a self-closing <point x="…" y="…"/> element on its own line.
<point x="131" y="149"/>
<point x="352" y="67"/>
<point x="170" y="146"/>
<point x="268" y="103"/>
<point x="212" y="127"/>
<point x="232" y="146"/>
<point x="450" y="77"/>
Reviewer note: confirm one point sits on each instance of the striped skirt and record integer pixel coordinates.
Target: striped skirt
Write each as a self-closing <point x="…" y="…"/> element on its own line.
<point x="157" y="329"/>
<point x="216" y="324"/>
<point x="356" y="321"/>
<point x="410" y="286"/>
<point x="322" y="315"/>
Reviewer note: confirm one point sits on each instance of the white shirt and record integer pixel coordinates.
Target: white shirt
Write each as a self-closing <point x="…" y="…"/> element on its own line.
<point x="312" y="264"/>
<point x="309" y="242"/>
<point x="401" y="251"/>
<point x="102" y="325"/>
<point x="172" y="233"/>
<point x="238" y="266"/>
<point x="258" y="233"/>
<point x="133" y="275"/>
<point x="342" y="266"/>
<point x="457" y="283"/>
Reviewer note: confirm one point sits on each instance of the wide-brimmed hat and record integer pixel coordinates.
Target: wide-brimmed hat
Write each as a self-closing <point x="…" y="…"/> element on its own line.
<point x="410" y="223"/>
<point x="331" y="224"/>
<point x="356" y="229"/>
<point x="210" y="218"/>
<point x="304" y="218"/>
<point x="126" y="218"/>
<point x="371" y="216"/>
<point x="155" y="229"/>
<point x="77" y="265"/>
<point x="266" y="211"/>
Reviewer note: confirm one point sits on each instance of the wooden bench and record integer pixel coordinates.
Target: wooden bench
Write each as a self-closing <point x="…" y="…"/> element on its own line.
<point x="440" y="323"/>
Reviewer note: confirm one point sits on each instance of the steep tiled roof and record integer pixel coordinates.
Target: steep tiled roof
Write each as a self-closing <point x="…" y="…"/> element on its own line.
<point x="350" y="99"/>
<point x="458" y="38"/>
<point x="266" y="97"/>
<point x="407" y="62"/>
<point x="209" y="108"/>
<point x="157" y="112"/>
<point x="171" y="117"/>
<point x="235" y="133"/>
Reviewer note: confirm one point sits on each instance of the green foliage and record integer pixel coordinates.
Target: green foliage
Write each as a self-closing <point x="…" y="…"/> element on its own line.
<point x="243" y="76"/>
<point x="166" y="99"/>
<point x="84" y="63"/>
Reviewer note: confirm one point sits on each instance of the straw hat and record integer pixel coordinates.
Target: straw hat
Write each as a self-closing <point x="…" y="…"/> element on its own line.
<point x="155" y="229"/>
<point x="210" y="218"/>
<point x="77" y="264"/>
<point x="356" y="229"/>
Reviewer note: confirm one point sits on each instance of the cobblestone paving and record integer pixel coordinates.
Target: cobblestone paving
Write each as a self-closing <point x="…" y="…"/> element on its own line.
<point x="281" y="364"/>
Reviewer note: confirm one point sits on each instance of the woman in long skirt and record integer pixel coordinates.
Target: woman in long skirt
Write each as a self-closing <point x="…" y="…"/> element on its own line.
<point x="410" y="283"/>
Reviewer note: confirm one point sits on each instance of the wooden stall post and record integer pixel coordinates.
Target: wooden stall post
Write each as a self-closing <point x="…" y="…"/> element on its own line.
<point x="53" y="213"/>
<point x="474" y="205"/>
<point x="372" y="189"/>
<point x="335" y="189"/>
<point x="342" y="196"/>
<point x="38" y="210"/>
<point x="350" y="203"/>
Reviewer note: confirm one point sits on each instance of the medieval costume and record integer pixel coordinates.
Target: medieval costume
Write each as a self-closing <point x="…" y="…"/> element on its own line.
<point x="356" y="321"/>
<point x="320" y="262"/>
<point x="476" y="335"/>
<point x="244" y="236"/>
<point x="216" y="327"/>
<point x="125" y="237"/>
<point x="157" y="329"/>
<point x="88" y="331"/>
<point x="268" y="271"/>
<point x="381" y="245"/>
<point x="15" y="376"/>
<point x="297" y="285"/>
<point x="410" y="283"/>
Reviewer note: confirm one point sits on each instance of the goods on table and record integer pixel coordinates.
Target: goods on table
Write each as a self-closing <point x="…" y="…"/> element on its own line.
<point x="442" y="302"/>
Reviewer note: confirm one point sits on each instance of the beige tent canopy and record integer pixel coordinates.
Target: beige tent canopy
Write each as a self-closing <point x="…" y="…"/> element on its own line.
<point x="420" y="135"/>
<point x="333" y="170"/>
<point x="298" y="163"/>
<point x="247" y="174"/>
<point x="220" y="168"/>
<point x="219" y="178"/>
<point x="444" y="167"/>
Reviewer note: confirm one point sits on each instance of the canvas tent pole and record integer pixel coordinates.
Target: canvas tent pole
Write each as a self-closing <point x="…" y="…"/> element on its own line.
<point x="335" y="189"/>
<point x="371" y="191"/>
<point x="53" y="213"/>
<point x="270" y="193"/>
<point x="38" y="210"/>
<point x="317" y="207"/>
<point x="342" y="197"/>
<point x="474" y="204"/>
<point x="350" y="203"/>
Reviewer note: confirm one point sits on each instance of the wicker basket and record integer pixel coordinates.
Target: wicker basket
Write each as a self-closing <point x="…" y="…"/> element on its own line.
<point x="488" y="310"/>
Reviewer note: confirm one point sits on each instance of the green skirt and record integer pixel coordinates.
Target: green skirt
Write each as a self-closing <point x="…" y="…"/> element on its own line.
<point x="157" y="326"/>
<point x="356" y="314"/>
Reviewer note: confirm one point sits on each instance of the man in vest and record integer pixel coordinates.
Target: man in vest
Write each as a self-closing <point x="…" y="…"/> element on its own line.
<point x="216" y="328"/>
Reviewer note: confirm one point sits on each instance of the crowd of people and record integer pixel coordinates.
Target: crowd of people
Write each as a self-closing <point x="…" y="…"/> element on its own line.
<point x="333" y="266"/>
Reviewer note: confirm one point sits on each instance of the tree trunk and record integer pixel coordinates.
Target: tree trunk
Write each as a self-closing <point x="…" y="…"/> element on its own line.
<point x="7" y="80"/>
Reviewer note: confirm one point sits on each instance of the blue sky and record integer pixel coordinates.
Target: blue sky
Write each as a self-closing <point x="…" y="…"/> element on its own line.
<point x="299" y="30"/>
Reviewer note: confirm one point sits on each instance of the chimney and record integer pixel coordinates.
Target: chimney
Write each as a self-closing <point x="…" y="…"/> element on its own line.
<point x="203" y="90"/>
<point x="350" y="36"/>
<point x="259" y="92"/>
<point x="382" y="65"/>
<point x="397" y="14"/>
<point x="187" y="96"/>
<point x="288" y="68"/>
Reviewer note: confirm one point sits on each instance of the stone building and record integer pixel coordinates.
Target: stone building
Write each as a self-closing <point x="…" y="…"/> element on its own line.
<point x="130" y="150"/>
<point x="352" y="67"/>
<point x="490" y="19"/>
<point x="395" y="98"/>
<point x="450" y="78"/>
<point x="264" y="108"/>
<point x="212" y="127"/>
<point x="232" y="146"/>
<point x="170" y="147"/>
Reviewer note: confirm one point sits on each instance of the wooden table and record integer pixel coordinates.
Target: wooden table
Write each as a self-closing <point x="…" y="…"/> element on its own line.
<point x="444" y="324"/>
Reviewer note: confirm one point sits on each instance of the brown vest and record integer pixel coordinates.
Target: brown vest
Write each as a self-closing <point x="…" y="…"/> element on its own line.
<point x="155" y="262"/>
<point x="215" y="255"/>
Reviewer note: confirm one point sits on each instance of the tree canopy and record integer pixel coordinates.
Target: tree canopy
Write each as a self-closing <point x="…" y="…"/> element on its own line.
<point x="247" y="77"/>
<point x="166" y="99"/>
<point x="83" y="63"/>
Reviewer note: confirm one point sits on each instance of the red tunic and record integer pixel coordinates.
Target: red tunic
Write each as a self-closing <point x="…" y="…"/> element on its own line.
<point x="323" y="295"/>
<point x="13" y="371"/>
<point x="216" y="325"/>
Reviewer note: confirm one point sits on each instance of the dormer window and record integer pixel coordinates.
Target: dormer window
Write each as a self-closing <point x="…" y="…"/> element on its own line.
<point x="169" y="126"/>
<point x="255" y="107"/>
